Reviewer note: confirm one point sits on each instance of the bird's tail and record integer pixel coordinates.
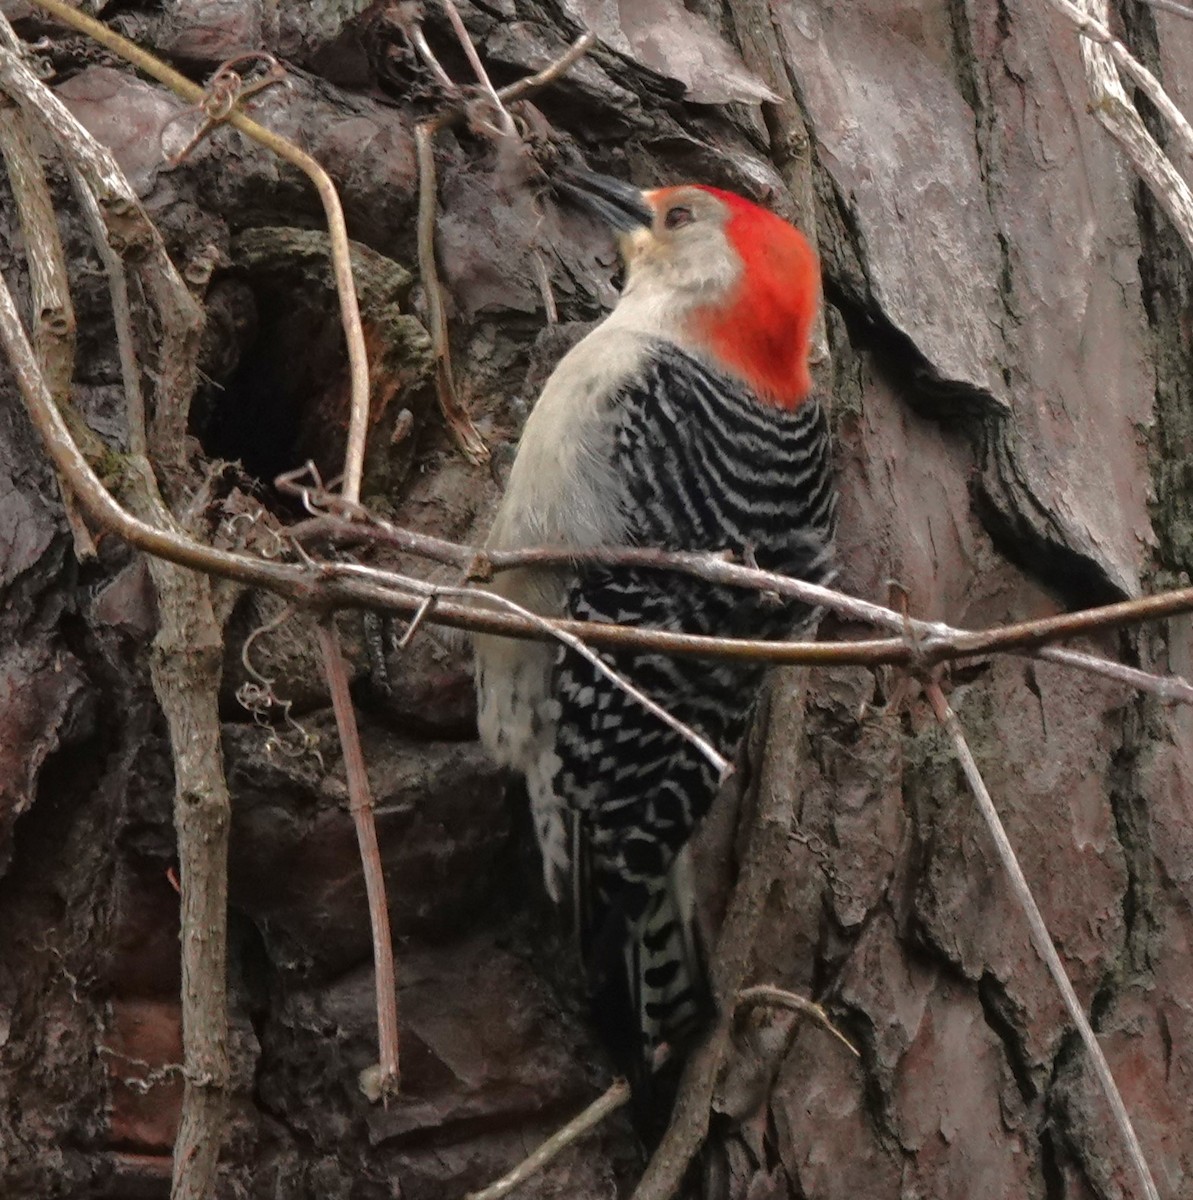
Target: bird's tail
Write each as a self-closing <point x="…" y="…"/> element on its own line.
<point x="648" y="977"/>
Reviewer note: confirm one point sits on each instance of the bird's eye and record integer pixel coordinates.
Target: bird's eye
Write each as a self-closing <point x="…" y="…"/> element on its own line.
<point x="677" y="216"/>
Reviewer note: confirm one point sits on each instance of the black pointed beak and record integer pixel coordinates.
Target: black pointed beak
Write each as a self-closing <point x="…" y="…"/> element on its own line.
<point x="620" y="204"/>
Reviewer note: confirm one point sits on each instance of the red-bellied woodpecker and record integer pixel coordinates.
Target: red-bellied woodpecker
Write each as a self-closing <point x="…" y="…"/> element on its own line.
<point x="684" y="421"/>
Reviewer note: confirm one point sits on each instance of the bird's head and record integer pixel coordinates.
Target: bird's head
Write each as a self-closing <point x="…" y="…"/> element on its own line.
<point x="727" y="278"/>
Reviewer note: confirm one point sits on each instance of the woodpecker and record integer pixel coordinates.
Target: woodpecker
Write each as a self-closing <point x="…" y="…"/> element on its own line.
<point x="684" y="421"/>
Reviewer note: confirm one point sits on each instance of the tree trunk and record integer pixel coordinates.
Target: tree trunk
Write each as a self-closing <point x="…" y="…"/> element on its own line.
<point x="1007" y="358"/>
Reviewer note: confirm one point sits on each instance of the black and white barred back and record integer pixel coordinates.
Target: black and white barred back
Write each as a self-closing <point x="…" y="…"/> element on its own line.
<point x="703" y="466"/>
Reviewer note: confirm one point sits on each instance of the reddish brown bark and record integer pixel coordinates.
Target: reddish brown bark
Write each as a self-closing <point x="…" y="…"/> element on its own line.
<point x="1009" y="324"/>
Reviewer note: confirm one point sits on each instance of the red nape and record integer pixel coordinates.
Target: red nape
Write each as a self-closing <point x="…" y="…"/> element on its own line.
<point x="762" y="331"/>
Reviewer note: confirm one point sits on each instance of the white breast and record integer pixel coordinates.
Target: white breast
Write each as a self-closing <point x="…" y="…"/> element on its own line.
<point x="562" y="491"/>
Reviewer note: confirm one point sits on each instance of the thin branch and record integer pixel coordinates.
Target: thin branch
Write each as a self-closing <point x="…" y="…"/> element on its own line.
<point x="523" y="89"/>
<point x="416" y="621"/>
<point x="934" y="635"/>
<point x="775" y="997"/>
<point x="508" y="129"/>
<point x="543" y="277"/>
<point x="1098" y="32"/>
<point x="186" y="666"/>
<point x="1171" y="689"/>
<point x="1181" y="10"/>
<point x="347" y="585"/>
<point x="130" y="369"/>
<point x="433" y="591"/>
<point x="1040" y="936"/>
<point x="321" y="586"/>
<point x="458" y="421"/>
<point x="1120" y="118"/>
<point x="418" y="39"/>
<point x="360" y="804"/>
<point x="325" y="585"/>
<point x="609" y="1101"/>
<point x="333" y="214"/>
<point x="363" y="527"/>
<point x="53" y="313"/>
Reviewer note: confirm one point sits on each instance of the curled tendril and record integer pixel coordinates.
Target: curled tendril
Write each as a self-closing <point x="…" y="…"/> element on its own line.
<point x="257" y="697"/>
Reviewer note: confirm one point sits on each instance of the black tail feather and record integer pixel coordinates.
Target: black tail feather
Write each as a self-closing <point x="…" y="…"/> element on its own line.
<point x="649" y="987"/>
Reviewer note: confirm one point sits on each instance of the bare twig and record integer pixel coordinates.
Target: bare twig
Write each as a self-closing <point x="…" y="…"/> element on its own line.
<point x="364" y="527"/>
<point x="1040" y="936"/>
<point x="934" y="635"/>
<point x="1120" y="118"/>
<point x="1098" y="32"/>
<point x="609" y="1101"/>
<point x="186" y="673"/>
<point x="325" y="586"/>
<point x="418" y="39"/>
<point x="523" y="89"/>
<point x="53" y="313"/>
<point x="454" y="413"/>
<point x="322" y="585"/>
<point x="130" y="370"/>
<point x="433" y="591"/>
<point x="1181" y="10"/>
<point x="360" y="803"/>
<point x="543" y="276"/>
<point x="416" y="621"/>
<point x="775" y="997"/>
<point x="508" y="128"/>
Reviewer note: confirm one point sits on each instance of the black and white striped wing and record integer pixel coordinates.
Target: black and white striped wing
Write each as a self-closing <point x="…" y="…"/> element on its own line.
<point x="703" y="466"/>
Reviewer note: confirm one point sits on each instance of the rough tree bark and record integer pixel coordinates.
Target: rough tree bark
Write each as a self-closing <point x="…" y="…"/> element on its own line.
<point x="1009" y="323"/>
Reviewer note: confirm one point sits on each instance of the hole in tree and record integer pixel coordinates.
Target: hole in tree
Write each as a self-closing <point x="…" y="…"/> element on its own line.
<point x="277" y="378"/>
